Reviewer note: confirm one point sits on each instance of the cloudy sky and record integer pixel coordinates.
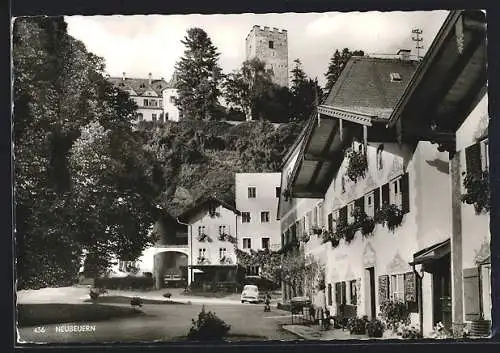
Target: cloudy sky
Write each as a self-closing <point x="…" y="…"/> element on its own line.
<point x="139" y="45"/>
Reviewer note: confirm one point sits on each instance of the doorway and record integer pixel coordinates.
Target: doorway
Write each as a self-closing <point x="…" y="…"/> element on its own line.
<point x="370" y="305"/>
<point x="441" y="282"/>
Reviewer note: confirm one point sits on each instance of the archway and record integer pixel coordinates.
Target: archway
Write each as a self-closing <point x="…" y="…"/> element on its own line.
<point x="170" y="268"/>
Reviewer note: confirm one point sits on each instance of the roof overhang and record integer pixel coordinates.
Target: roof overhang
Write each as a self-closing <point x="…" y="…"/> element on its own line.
<point x="322" y="149"/>
<point x="448" y="83"/>
<point x="432" y="253"/>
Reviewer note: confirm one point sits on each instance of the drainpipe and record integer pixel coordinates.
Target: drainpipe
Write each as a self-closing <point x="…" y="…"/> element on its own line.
<point x="419" y="298"/>
<point x="190" y="230"/>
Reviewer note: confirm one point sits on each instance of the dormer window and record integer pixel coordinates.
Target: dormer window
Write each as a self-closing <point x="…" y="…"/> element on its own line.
<point x="395" y="77"/>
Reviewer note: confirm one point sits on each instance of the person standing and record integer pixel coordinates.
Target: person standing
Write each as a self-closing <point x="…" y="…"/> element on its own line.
<point x="320" y="303"/>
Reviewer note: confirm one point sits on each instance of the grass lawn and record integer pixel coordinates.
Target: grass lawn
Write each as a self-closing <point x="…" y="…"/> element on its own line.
<point x="119" y="299"/>
<point x="52" y="313"/>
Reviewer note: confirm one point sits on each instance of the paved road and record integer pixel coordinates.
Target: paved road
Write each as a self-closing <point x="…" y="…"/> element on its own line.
<point x="169" y="322"/>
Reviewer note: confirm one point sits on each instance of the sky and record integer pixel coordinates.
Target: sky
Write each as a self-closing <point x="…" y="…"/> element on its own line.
<point x="143" y="44"/>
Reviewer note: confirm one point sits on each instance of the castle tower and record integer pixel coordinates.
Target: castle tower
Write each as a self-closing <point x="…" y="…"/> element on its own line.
<point x="271" y="46"/>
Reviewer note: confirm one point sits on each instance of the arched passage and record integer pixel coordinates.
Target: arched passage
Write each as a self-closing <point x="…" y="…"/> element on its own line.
<point x="170" y="267"/>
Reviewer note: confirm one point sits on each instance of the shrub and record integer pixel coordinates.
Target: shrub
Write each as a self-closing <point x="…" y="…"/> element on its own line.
<point x="93" y="294"/>
<point x="357" y="326"/>
<point x="208" y="327"/>
<point x="411" y="333"/>
<point x="375" y="328"/>
<point x="395" y="313"/>
<point x="123" y="283"/>
<point x="167" y="295"/>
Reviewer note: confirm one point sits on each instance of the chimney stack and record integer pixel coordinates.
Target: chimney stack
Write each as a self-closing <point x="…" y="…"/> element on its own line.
<point x="404" y="54"/>
<point x="150" y="79"/>
<point x="123" y="76"/>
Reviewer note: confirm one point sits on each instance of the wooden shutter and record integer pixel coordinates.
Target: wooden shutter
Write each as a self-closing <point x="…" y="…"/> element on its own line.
<point x="330" y="222"/>
<point x="383" y="288"/>
<point x="405" y="193"/>
<point x="410" y="287"/>
<point x="472" y="306"/>
<point x="343" y="214"/>
<point x="338" y="293"/>
<point x="309" y="221"/>
<point x="376" y="200"/>
<point x="344" y="293"/>
<point x="385" y="193"/>
<point x="330" y="301"/>
<point x="360" y="203"/>
<point x="473" y="158"/>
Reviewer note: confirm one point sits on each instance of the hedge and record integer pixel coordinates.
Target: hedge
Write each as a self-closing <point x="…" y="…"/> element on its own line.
<point x="128" y="282"/>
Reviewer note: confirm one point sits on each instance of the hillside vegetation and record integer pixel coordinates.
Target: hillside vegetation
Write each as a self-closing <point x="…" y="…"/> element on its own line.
<point x="200" y="158"/>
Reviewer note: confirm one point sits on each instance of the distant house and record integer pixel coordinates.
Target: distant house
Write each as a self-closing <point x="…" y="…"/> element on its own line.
<point x="212" y="237"/>
<point x="155" y="98"/>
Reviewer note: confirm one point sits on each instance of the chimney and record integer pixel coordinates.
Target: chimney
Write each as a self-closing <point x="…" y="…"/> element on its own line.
<point x="123" y="76"/>
<point x="404" y="54"/>
<point x="150" y="79"/>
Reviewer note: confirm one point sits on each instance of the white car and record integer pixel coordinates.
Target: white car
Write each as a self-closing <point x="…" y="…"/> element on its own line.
<point x="250" y="294"/>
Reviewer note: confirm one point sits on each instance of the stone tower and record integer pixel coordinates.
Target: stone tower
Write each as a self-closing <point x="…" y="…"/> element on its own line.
<point x="271" y="46"/>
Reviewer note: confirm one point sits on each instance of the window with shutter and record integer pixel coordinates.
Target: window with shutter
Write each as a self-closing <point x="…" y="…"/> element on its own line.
<point x="369" y="204"/>
<point x="472" y="308"/>
<point x="405" y="193"/>
<point x="473" y="158"/>
<point x="376" y="200"/>
<point x="385" y="193"/>
<point x="383" y="288"/>
<point x="343" y="215"/>
<point x="360" y="203"/>
<point x="338" y="293"/>
<point x="329" y="297"/>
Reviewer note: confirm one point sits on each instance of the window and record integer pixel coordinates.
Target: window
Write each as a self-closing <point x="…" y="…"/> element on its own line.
<point x="162" y="119"/>
<point x="201" y="230"/>
<point x="146" y="103"/>
<point x="265" y="243"/>
<point x="212" y="210"/>
<point x="396" y="195"/>
<point x="202" y="252"/>
<point x="484" y="155"/>
<point x="264" y="217"/>
<point x="278" y="191"/>
<point x="140" y="117"/>
<point x="247" y="243"/>
<point x="153" y="116"/>
<point x="397" y="287"/>
<point x="353" y="290"/>
<point x="222" y="230"/>
<point x="252" y="192"/>
<point x="245" y="217"/>
<point x="330" y="222"/>
<point x="350" y="210"/>
<point x="222" y="253"/>
<point x="380" y="163"/>
<point x="253" y="270"/>
<point x="369" y="205"/>
<point x="336" y="215"/>
<point x="395" y="77"/>
<point x="271" y="44"/>
<point x="172" y="99"/>
<point x="343" y="183"/>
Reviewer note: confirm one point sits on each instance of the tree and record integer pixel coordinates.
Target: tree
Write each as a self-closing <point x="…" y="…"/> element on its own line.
<point x="199" y="77"/>
<point x="336" y="65"/>
<point x="83" y="180"/>
<point x="305" y="93"/>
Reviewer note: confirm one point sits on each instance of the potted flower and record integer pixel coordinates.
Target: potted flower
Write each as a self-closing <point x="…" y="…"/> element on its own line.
<point x="390" y="215"/>
<point x="477" y="190"/>
<point x="367" y="226"/>
<point x="357" y="165"/>
<point x="375" y="328"/>
<point x="350" y="232"/>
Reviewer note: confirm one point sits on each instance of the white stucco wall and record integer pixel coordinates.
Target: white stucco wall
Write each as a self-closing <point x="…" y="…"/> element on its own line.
<point x="265" y="201"/>
<point x="171" y="110"/>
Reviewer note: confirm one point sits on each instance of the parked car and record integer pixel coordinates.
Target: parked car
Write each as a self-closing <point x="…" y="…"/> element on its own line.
<point x="250" y="294"/>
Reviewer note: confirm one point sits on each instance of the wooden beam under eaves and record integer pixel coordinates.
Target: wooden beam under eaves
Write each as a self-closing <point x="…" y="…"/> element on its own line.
<point x="317" y="158"/>
<point x="308" y="195"/>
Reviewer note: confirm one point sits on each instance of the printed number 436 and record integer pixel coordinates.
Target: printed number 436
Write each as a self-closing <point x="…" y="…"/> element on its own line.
<point x="39" y="329"/>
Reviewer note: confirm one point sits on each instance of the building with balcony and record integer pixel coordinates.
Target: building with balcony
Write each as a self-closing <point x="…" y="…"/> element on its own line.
<point x="212" y="237"/>
<point x="392" y="213"/>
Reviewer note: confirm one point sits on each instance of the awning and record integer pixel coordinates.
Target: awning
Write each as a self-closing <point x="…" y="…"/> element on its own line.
<point x="431" y="253"/>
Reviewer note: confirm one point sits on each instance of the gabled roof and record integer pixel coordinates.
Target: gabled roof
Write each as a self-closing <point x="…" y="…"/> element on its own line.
<point x="365" y="85"/>
<point x="205" y="204"/>
<point x="139" y="85"/>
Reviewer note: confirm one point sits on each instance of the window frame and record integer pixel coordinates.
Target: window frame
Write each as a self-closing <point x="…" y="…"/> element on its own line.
<point x="351" y="206"/>
<point x="252" y="192"/>
<point x="265" y="216"/>
<point x="395" y="192"/>
<point x="249" y="243"/>
<point x="395" y="281"/>
<point x="268" y="242"/>
<point x="271" y="44"/>
<point x="379" y="159"/>
<point x="370" y="208"/>
<point x="244" y="219"/>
